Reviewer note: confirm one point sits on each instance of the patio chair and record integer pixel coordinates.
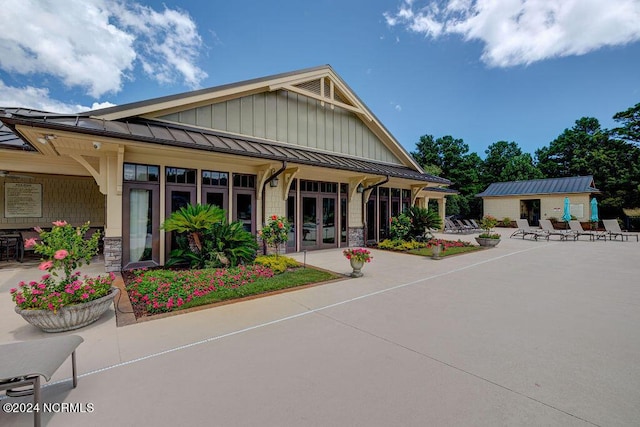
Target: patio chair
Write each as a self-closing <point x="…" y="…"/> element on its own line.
<point x="450" y="226"/>
<point x="613" y="230"/>
<point x="576" y="227"/>
<point x="463" y="228"/>
<point x="471" y="226"/>
<point x="547" y="227"/>
<point x="23" y="363"/>
<point x="524" y="230"/>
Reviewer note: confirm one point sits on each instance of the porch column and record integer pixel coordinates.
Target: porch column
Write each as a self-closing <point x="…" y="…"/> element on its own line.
<point x="113" y="220"/>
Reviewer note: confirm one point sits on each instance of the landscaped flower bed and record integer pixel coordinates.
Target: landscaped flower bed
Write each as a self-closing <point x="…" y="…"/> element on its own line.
<point x="153" y="291"/>
<point x="449" y="247"/>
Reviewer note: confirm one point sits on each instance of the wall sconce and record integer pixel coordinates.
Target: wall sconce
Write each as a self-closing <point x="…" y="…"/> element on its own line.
<point x="97" y="145"/>
<point x="46" y="138"/>
<point x="274" y="182"/>
<point x="360" y="189"/>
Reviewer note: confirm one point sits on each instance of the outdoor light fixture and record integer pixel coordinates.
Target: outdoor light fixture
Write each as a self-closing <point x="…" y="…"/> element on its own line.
<point x="360" y="188"/>
<point x="274" y="182"/>
<point x="46" y="138"/>
<point x="97" y="145"/>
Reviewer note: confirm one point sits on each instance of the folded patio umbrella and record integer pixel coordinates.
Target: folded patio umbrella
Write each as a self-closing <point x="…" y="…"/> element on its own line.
<point x="566" y="216"/>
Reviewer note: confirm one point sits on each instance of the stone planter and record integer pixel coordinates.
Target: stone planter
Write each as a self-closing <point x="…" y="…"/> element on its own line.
<point x="69" y="317"/>
<point x="484" y="241"/>
<point x="357" y="267"/>
<point x="436" y="250"/>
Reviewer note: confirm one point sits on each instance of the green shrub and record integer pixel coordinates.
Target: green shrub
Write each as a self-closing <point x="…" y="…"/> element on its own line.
<point x="422" y="220"/>
<point x="506" y="222"/>
<point x="399" y="245"/>
<point x="278" y="264"/>
<point x="399" y="227"/>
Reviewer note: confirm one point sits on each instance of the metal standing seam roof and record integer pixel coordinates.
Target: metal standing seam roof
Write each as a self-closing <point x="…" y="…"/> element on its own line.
<point x="576" y="184"/>
<point x="150" y="131"/>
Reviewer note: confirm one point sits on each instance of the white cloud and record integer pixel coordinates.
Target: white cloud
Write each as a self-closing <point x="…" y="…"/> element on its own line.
<point x="517" y="32"/>
<point x="39" y="99"/>
<point x="97" y="45"/>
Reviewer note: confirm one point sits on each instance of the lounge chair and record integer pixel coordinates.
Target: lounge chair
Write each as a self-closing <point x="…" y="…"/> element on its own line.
<point x="23" y="363"/>
<point x="463" y="227"/>
<point x="576" y="227"/>
<point x="473" y="227"/>
<point x="524" y="230"/>
<point x="451" y="227"/>
<point x="613" y="230"/>
<point x="547" y="227"/>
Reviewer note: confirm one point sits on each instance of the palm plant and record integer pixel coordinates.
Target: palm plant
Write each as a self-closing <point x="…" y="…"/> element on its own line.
<point x="229" y="244"/>
<point x="422" y="220"/>
<point x="194" y="220"/>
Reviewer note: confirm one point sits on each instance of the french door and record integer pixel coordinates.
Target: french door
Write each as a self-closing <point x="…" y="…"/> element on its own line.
<point x="319" y="221"/>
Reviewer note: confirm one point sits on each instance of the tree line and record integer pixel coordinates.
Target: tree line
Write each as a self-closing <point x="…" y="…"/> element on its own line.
<point x="612" y="156"/>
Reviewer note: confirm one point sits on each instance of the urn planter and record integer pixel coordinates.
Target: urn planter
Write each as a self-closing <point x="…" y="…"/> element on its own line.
<point x="69" y="317"/>
<point x="356" y="265"/>
<point x="487" y="242"/>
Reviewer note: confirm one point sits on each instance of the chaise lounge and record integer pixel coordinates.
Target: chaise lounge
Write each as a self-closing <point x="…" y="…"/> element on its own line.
<point x="524" y="230"/>
<point x="23" y="363"/>
<point x="547" y="228"/>
<point x="576" y="227"/>
<point x="613" y="230"/>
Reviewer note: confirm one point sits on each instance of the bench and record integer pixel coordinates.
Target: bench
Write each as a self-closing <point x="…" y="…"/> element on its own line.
<point x="23" y="363"/>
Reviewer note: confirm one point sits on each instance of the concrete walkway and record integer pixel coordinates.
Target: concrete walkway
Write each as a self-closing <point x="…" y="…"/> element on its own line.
<point x="528" y="333"/>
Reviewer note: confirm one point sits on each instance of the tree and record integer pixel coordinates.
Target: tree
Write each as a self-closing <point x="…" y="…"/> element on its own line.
<point x="630" y="120"/>
<point x="505" y="161"/>
<point x="586" y="149"/>
<point x="450" y="156"/>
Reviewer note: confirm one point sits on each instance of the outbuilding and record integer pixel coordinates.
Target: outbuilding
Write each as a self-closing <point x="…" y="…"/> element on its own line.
<point x="539" y="198"/>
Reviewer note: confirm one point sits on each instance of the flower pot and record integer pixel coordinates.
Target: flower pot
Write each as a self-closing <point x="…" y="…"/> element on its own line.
<point x="357" y="267"/>
<point x="436" y="250"/>
<point x="485" y="241"/>
<point x="71" y="316"/>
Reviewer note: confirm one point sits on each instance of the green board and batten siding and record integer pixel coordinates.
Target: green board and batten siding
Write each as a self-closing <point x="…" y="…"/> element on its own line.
<point x="289" y="117"/>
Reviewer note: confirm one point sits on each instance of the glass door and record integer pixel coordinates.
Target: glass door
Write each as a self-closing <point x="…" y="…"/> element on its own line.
<point x="310" y="222"/>
<point x="176" y="198"/>
<point x="328" y="225"/>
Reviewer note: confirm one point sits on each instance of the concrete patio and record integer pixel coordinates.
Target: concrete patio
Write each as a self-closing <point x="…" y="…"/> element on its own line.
<point x="527" y="333"/>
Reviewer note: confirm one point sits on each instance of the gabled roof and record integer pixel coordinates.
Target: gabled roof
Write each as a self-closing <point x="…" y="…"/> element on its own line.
<point x="575" y="184"/>
<point x="321" y="83"/>
<point x="184" y="136"/>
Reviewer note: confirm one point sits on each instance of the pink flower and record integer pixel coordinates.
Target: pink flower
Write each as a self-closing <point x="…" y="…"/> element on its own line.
<point x="84" y="296"/>
<point x="45" y="265"/>
<point x="38" y="229"/>
<point x="274" y="217"/>
<point x="30" y="242"/>
<point x="61" y="254"/>
<point x="59" y="223"/>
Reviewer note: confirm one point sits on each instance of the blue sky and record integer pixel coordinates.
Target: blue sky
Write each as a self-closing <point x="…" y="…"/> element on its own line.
<point x="514" y="70"/>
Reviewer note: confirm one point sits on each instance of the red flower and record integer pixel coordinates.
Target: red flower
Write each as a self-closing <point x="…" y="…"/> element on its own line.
<point x="274" y="217"/>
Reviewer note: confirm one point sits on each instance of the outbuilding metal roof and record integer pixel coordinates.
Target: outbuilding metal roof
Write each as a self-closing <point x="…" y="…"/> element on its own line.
<point x="575" y="184"/>
<point x="154" y="132"/>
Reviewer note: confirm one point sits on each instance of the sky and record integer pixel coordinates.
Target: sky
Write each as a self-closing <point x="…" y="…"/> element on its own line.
<point x="480" y="70"/>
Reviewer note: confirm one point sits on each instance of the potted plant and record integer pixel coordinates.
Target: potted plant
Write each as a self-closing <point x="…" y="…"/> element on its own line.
<point x="275" y="232"/>
<point x="61" y="300"/>
<point x="487" y="237"/>
<point x="357" y="257"/>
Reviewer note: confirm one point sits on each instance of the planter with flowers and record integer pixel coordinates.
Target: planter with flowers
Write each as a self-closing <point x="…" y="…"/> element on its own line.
<point x="275" y="233"/>
<point x="357" y="257"/>
<point x="61" y="300"/>
<point x="487" y="237"/>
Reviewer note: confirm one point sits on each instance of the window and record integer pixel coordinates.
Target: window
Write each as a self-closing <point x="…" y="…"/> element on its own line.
<point x="141" y="173"/>
<point x="180" y="176"/>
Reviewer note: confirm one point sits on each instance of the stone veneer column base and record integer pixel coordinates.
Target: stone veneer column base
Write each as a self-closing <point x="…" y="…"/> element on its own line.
<point x="112" y="254"/>
<point x="356" y="236"/>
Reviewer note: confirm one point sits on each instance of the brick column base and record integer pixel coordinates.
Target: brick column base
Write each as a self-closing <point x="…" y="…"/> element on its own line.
<point x="356" y="236"/>
<point x="112" y="254"/>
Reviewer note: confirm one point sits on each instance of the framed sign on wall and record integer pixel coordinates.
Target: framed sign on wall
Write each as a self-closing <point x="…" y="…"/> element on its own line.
<point x="22" y="200"/>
